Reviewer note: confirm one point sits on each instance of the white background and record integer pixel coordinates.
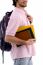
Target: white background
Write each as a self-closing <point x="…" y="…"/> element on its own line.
<point x="35" y="9"/>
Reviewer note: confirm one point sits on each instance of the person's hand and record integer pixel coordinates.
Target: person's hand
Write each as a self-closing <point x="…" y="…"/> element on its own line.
<point x="30" y="18"/>
<point x="30" y="42"/>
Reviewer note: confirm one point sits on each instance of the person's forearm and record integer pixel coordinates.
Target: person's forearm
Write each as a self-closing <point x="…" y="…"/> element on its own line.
<point x="12" y="39"/>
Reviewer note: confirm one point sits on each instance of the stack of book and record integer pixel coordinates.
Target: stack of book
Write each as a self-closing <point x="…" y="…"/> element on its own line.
<point x="25" y="32"/>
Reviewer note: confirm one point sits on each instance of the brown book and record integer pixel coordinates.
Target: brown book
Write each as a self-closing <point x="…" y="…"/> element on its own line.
<point x="25" y="32"/>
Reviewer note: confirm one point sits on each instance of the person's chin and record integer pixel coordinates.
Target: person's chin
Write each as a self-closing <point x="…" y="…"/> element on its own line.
<point x="24" y="6"/>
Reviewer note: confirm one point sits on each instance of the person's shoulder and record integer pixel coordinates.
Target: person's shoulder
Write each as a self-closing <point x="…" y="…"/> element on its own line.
<point x="15" y="13"/>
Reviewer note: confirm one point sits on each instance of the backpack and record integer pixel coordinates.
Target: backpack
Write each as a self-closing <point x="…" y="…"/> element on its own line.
<point x="4" y="46"/>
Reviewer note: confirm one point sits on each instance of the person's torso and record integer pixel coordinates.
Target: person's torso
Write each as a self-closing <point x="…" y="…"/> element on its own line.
<point x="22" y="51"/>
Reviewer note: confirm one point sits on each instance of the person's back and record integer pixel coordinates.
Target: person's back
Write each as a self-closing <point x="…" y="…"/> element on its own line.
<point x="22" y="54"/>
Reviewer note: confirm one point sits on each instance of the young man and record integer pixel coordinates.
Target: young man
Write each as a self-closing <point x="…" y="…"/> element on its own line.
<point x="21" y="55"/>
